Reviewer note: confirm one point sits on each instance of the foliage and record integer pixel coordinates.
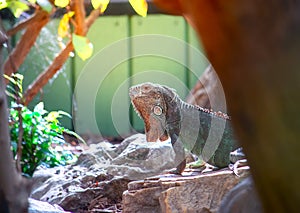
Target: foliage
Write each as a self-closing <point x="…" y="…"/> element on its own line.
<point x="82" y="46"/>
<point x="100" y="4"/>
<point x="42" y="140"/>
<point x="140" y="6"/>
<point x="16" y="7"/>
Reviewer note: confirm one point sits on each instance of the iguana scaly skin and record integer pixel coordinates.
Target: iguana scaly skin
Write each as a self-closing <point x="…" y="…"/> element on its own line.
<point x="206" y="134"/>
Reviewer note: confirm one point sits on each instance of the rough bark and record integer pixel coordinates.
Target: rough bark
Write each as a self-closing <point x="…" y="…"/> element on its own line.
<point x="33" y="27"/>
<point x="79" y="17"/>
<point x="14" y="189"/>
<point x="39" y="15"/>
<point x="254" y="47"/>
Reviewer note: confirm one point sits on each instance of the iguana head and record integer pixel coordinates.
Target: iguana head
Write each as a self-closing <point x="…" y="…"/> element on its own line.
<point x="157" y="106"/>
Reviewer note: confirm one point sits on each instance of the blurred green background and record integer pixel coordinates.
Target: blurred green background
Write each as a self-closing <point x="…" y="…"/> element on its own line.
<point x="172" y="61"/>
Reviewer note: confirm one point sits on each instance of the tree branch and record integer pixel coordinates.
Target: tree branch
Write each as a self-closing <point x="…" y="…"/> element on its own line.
<point x="38" y="16"/>
<point x="44" y="77"/>
<point x="34" y="88"/>
<point x="79" y="10"/>
<point x="18" y="55"/>
<point x="92" y="18"/>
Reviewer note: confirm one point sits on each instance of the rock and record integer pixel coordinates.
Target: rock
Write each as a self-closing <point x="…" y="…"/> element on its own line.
<point x="36" y="206"/>
<point x="242" y="198"/>
<point x="73" y="188"/>
<point x="196" y="193"/>
<point x="139" y="159"/>
<point x="208" y="92"/>
<point x="102" y="173"/>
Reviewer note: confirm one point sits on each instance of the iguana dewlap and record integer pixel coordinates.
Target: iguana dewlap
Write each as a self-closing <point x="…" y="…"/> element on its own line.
<point x="206" y="134"/>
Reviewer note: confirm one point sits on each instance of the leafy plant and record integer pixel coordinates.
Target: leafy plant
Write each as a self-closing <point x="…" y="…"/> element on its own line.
<point x="41" y="138"/>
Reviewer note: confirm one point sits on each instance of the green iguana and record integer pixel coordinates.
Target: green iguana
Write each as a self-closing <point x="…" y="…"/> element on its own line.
<point x="206" y="134"/>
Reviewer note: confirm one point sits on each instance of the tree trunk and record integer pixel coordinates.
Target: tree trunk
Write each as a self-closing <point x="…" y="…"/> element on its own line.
<point x="14" y="189"/>
<point x="254" y="47"/>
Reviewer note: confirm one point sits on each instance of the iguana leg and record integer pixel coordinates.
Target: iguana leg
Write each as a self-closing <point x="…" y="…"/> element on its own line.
<point x="179" y="169"/>
<point x="201" y="166"/>
<point x="237" y="155"/>
<point x="179" y="154"/>
<point x="196" y="164"/>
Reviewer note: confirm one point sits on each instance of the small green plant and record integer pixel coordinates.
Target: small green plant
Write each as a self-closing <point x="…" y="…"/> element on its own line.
<point x="37" y="133"/>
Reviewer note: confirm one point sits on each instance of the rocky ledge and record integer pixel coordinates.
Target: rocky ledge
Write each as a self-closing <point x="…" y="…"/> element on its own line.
<point x="101" y="175"/>
<point x="131" y="177"/>
<point x="191" y="192"/>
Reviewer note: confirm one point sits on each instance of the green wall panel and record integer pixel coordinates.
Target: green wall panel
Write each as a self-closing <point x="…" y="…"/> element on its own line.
<point x="159" y="56"/>
<point x="104" y="72"/>
<point x="149" y="51"/>
<point x="196" y="57"/>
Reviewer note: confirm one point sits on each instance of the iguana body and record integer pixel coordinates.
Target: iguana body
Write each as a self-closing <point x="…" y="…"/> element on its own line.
<point x="206" y="134"/>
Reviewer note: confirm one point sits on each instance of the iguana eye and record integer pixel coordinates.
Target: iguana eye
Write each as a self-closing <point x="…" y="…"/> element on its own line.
<point x="157" y="110"/>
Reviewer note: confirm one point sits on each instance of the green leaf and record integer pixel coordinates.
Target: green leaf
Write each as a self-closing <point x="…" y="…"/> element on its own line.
<point x="82" y="46"/>
<point x="61" y="3"/>
<point x="64" y="113"/>
<point x="45" y="5"/>
<point x="19" y="76"/>
<point x="32" y="1"/>
<point x="42" y="136"/>
<point x="10" y="88"/>
<point x="3" y="4"/>
<point x="63" y="27"/>
<point x="34" y="140"/>
<point x="100" y="4"/>
<point x="12" y="80"/>
<point x="10" y="94"/>
<point x="27" y="116"/>
<point x="17" y="7"/>
<point x="75" y="135"/>
<point x="40" y="108"/>
<point x="52" y="116"/>
<point x="140" y="7"/>
<point x="16" y="79"/>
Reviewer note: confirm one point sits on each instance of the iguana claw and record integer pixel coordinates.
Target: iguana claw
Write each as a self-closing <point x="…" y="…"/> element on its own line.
<point x="234" y="167"/>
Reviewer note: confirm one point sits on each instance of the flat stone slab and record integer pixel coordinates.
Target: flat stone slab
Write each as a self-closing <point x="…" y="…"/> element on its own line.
<point x="190" y="192"/>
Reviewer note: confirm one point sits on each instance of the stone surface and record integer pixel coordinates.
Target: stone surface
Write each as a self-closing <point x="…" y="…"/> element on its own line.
<point x="101" y="173"/>
<point x="188" y="193"/>
<point x="36" y="206"/>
